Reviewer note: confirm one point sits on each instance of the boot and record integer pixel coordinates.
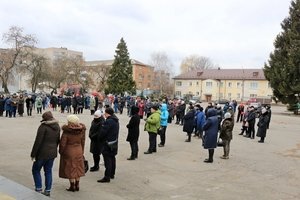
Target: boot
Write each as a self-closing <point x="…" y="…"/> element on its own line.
<point x="210" y="156"/>
<point x="93" y="169"/>
<point x="77" y="185"/>
<point x="72" y="187"/>
<point x="104" y="180"/>
<point x="131" y="158"/>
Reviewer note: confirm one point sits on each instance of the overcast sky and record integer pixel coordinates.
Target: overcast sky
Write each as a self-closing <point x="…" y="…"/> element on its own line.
<point x="232" y="33"/>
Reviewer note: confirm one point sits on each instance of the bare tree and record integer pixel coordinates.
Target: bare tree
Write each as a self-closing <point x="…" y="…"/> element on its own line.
<point x="194" y="62"/>
<point x="36" y="66"/>
<point x="163" y="71"/>
<point x="10" y="58"/>
<point x="101" y="73"/>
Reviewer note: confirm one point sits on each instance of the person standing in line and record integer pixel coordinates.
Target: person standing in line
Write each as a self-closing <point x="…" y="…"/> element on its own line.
<point x="39" y="104"/>
<point x="251" y="123"/>
<point x="133" y="132"/>
<point x="21" y="105"/>
<point x="29" y="105"/>
<point x="7" y="106"/>
<point x="109" y="134"/>
<point x="164" y="116"/>
<point x="92" y="104"/>
<point x="240" y="114"/>
<point x="96" y="145"/>
<point x="269" y="115"/>
<point x="245" y="123"/>
<point x="14" y="104"/>
<point x="200" y="120"/>
<point x="74" y="104"/>
<point x="262" y="125"/>
<point x="71" y="149"/>
<point x="141" y="107"/>
<point x="210" y="133"/>
<point x="2" y="102"/>
<point x="188" y="123"/>
<point x="226" y="134"/>
<point x="44" y="151"/>
<point x="152" y="125"/>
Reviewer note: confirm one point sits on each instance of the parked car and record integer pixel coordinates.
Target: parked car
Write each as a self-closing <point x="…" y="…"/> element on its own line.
<point x="222" y="101"/>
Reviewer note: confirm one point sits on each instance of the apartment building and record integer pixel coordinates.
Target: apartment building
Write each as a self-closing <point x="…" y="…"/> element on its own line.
<point x="214" y="84"/>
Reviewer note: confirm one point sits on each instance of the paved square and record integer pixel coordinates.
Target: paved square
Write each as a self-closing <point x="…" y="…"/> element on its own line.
<point x="177" y="171"/>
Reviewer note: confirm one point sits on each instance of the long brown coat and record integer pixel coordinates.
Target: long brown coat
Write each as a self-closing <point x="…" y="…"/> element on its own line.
<point x="71" y="149"/>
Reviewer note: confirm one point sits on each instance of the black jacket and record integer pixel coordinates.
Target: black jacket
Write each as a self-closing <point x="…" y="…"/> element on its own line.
<point x="46" y="141"/>
<point x="95" y="130"/>
<point x="133" y="126"/>
<point x="110" y="133"/>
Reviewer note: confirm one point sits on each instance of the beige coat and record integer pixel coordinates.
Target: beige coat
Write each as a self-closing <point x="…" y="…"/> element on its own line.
<point x="71" y="149"/>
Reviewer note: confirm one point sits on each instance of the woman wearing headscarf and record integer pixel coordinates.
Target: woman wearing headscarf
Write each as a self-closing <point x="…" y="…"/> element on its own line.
<point x="226" y="134"/>
<point x="71" y="149"/>
<point x="262" y="125"/>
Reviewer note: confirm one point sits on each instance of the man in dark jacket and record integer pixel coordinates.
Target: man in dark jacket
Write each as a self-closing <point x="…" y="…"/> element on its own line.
<point x="44" y="151"/>
<point x="133" y="132"/>
<point x="110" y="134"/>
<point x="2" y="102"/>
<point x="251" y="123"/>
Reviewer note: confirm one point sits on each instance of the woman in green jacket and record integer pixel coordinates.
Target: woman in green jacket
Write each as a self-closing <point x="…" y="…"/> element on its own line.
<point x="152" y="126"/>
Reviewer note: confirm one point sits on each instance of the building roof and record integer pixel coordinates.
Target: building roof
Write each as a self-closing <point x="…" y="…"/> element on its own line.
<point x="223" y="74"/>
<point x="110" y="62"/>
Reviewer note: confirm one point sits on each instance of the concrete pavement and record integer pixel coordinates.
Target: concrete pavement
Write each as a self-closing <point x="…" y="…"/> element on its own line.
<point x="177" y="171"/>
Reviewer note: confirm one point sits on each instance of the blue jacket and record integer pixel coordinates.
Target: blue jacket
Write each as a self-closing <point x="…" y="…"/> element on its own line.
<point x="164" y="115"/>
<point x="200" y="120"/>
<point x="211" y="128"/>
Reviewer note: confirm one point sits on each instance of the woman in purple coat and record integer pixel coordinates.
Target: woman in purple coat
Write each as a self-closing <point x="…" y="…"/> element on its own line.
<point x="210" y="133"/>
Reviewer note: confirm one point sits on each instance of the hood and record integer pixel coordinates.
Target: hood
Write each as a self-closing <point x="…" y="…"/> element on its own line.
<point x="164" y="107"/>
<point x="73" y="128"/>
<point x="134" y="110"/>
<point x="52" y="124"/>
<point x="211" y="112"/>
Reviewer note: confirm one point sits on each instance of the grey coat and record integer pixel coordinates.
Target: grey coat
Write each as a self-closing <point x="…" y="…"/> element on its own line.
<point x="262" y="125"/>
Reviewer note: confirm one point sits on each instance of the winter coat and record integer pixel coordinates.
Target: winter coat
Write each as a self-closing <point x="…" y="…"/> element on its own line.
<point x="141" y="109"/>
<point x="46" y="140"/>
<point x="14" y="101"/>
<point x="251" y="117"/>
<point x="7" y="104"/>
<point x="188" y="121"/>
<point x="133" y="125"/>
<point x="71" y="149"/>
<point x="38" y="102"/>
<point x="262" y="125"/>
<point x="226" y="129"/>
<point x="211" y="129"/>
<point x="153" y="122"/>
<point x="110" y="134"/>
<point x="96" y="145"/>
<point x="171" y="110"/>
<point x="200" y="120"/>
<point x="2" y="102"/>
<point x="164" y="115"/>
<point x="29" y="102"/>
<point x="92" y="103"/>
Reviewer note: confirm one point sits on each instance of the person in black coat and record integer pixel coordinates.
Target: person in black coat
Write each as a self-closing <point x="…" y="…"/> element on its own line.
<point x="188" y="123"/>
<point x="251" y="123"/>
<point x="2" y="102"/>
<point x="133" y="132"/>
<point x="109" y="134"/>
<point x="262" y="125"/>
<point x="96" y="144"/>
<point x="29" y="105"/>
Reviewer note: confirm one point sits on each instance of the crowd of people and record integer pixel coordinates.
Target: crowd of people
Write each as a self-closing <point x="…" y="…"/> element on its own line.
<point x="213" y="125"/>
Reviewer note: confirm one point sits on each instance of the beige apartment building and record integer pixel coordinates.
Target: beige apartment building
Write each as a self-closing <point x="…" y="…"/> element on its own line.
<point x="230" y="84"/>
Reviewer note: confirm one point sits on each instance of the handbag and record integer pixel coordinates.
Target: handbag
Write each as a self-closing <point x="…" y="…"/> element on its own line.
<point x="220" y="142"/>
<point x="86" y="165"/>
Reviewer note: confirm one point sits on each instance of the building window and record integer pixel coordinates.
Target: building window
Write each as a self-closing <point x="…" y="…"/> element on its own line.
<point x="197" y="93"/>
<point x="149" y="85"/>
<point x="238" y="95"/>
<point x="253" y="95"/>
<point x="178" y="93"/>
<point x="229" y="84"/>
<point x="178" y="83"/>
<point x="208" y="84"/>
<point x="141" y="76"/>
<point x="229" y="96"/>
<point x="191" y="83"/>
<point x="238" y="85"/>
<point x="197" y="83"/>
<point x="221" y="84"/>
<point x="253" y="85"/>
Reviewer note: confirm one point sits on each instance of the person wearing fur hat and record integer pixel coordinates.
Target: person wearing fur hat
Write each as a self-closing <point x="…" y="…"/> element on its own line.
<point x="262" y="125"/>
<point x="71" y="149"/>
<point x="44" y="151"/>
<point x="133" y="132"/>
<point x="226" y="134"/>
<point x="96" y="145"/>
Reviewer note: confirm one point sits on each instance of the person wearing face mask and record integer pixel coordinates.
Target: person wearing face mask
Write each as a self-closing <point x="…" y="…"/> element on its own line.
<point x="262" y="125"/>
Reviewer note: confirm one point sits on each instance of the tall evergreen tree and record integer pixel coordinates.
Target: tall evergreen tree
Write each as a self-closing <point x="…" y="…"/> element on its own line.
<point x="283" y="67"/>
<point x="120" y="78"/>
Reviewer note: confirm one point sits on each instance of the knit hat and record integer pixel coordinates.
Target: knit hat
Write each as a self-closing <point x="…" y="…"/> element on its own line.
<point x="73" y="119"/>
<point x="227" y="115"/>
<point x="98" y="114"/>
<point x="47" y="116"/>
